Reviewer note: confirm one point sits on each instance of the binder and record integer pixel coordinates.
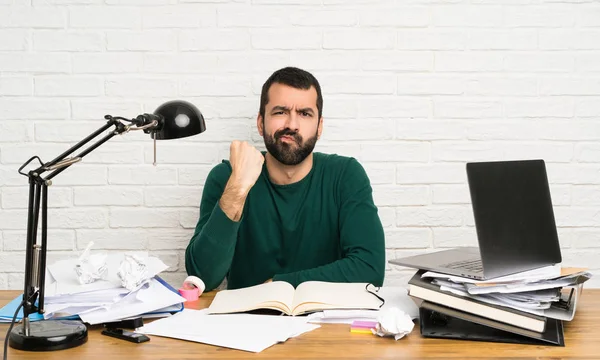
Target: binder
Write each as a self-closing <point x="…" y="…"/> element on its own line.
<point x="438" y="321"/>
<point x="168" y="310"/>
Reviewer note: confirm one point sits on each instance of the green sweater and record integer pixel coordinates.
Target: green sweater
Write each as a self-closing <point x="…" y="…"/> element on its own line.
<point x="324" y="227"/>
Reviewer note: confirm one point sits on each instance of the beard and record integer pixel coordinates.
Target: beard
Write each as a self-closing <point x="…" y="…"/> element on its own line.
<point x="289" y="153"/>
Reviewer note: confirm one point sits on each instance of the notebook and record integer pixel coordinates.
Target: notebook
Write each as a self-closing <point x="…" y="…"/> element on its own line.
<point x="308" y="297"/>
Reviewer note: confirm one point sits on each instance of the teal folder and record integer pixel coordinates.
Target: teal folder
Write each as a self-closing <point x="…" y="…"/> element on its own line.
<point x="8" y="311"/>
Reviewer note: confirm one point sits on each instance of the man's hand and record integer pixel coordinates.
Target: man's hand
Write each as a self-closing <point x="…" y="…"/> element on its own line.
<point x="246" y="166"/>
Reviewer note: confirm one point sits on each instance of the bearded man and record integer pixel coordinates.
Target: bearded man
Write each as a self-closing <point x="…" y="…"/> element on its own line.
<point x="287" y="214"/>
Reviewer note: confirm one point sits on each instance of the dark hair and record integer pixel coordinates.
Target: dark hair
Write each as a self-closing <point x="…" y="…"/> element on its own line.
<point x="294" y="77"/>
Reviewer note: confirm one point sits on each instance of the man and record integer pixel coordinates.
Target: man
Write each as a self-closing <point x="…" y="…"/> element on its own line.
<point x="288" y="214"/>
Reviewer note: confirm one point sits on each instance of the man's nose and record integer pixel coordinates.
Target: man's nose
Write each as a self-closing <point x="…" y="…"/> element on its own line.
<point x="293" y="121"/>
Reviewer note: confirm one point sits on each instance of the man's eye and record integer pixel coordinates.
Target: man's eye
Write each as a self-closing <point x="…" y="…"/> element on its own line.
<point x="278" y="113"/>
<point x="304" y="113"/>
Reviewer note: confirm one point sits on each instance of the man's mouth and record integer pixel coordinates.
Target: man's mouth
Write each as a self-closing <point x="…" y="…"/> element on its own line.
<point x="288" y="138"/>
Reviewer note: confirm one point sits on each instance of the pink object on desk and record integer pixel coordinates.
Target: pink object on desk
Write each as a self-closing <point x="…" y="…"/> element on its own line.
<point x="364" y="324"/>
<point x="192" y="288"/>
<point x="190" y="294"/>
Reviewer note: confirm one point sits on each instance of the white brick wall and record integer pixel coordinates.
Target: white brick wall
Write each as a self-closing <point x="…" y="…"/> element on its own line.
<point x="413" y="89"/>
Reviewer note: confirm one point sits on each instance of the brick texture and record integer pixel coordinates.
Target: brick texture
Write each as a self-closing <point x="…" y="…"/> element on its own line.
<point x="412" y="89"/>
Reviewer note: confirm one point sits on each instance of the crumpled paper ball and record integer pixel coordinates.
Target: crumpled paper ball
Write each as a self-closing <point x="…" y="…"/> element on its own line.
<point x="90" y="268"/>
<point x="132" y="272"/>
<point x="393" y="322"/>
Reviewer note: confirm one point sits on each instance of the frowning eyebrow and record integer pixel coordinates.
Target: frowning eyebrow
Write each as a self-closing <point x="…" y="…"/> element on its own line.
<point x="280" y="108"/>
<point x="287" y="109"/>
<point x="306" y="110"/>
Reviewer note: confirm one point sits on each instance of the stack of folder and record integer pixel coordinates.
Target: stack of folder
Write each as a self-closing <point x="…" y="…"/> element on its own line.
<point x="524" y="311"/>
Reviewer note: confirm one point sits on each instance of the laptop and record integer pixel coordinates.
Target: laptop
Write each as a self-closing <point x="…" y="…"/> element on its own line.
<point x="514" y="221"/>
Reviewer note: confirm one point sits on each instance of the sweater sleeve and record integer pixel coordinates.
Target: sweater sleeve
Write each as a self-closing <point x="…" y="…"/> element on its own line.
<point x="362" y="240"/>
<point x="210" y="251"/>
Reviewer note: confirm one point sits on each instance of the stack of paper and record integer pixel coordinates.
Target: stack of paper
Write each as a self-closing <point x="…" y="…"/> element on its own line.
<point x="527" y="307"/>
<point x="236" y="331"/>
<point x="103" y="300"/>
<point x="532" y="292"/>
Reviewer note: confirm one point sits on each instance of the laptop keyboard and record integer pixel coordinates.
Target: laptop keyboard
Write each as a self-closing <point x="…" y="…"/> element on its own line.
<point x="471" y="265"/>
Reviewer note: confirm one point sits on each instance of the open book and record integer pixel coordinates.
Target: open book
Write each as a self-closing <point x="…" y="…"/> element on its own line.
<point x="308" y="297"/>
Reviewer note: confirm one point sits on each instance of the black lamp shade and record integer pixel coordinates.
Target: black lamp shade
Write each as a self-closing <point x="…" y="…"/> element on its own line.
<point x="179" y="119"/>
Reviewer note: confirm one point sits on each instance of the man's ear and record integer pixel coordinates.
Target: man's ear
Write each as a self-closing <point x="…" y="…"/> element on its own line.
<point x="259" y="124"/>
<point x="320" y="128"/>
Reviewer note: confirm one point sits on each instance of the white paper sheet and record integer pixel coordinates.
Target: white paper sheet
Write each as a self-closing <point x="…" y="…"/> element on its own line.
<point x="538" y="285"/>
<point x="69" y="310"/>
<point x="107" y="295"/>
<point x="536" y="295"/>
<point x="342" y="316"/>
<point x="547" y="309"/>
<point x="487" y="298"/>
<point x="547" y="272"/>
<point x="236" y="331"/>
<point x="394" y="297"/>
<point x="147" y="299"/>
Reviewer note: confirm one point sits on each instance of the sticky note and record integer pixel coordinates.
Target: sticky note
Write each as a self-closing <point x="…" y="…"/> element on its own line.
<point x="364" y="324"/>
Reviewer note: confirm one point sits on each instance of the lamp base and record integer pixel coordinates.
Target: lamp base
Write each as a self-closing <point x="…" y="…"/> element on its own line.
<point x="49" y="335"/>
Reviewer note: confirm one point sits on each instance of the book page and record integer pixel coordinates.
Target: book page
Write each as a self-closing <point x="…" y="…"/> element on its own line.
<point x="277" y="295"/>
<point x="319" y="295"/>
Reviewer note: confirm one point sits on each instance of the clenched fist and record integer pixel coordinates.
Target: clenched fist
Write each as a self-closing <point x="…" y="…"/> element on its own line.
<point x="246" y="164"/>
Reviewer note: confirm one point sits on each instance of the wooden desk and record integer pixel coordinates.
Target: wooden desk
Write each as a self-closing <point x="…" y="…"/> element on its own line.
<point x="334" y="341"/>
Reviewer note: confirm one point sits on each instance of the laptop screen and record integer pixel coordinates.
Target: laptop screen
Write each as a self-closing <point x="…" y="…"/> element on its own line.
<point x="513" y="215"/>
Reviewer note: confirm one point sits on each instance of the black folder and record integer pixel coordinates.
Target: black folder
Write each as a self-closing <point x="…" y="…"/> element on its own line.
<point x="439" y="321"/>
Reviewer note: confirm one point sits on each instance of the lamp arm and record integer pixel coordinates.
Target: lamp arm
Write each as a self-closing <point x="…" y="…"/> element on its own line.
<point x="35" y="255"/>
<point x="65" y="164"/>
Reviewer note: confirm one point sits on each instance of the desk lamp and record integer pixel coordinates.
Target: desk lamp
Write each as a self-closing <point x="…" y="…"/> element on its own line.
<point x="172" y="120"/>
